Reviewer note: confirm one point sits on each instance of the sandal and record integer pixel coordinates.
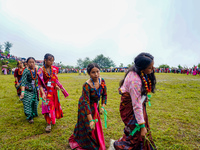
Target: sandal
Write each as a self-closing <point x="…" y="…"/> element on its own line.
<point x="111" y="145"/>
<point x="48" y="129"/>
<point x="31" y="121"/>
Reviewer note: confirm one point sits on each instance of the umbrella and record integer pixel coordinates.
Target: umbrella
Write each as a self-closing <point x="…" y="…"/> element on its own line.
<point x="4" y="66"/>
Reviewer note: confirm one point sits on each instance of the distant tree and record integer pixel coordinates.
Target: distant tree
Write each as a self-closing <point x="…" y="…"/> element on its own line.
<point x="103" y="62"/>
<point x="69" y="67"/>
<point x="86" y="62"/>
<point x="83" y="63"/>
<point x="1" y="47"/>
<point x="130" y="65"/>
<point x="164" y="66"/>
<point x="80" y="63"/>
<point x="121" y="65"/>
<point x="62" y="66"/>
<point x="179" y="66"/>
<point x="77" y="67"/>
<point x="7" y="46"/>
<point x="198" y="65"/>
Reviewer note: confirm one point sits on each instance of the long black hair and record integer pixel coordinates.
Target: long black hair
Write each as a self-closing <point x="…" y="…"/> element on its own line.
<point x="29" y="59"/>
<point x="141" y="62"/>
<point x="46" y="56"/>
<point x="91" y="66"/>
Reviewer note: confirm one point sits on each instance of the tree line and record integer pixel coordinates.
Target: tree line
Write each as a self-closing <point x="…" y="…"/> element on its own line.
<point x="101" y="60"/>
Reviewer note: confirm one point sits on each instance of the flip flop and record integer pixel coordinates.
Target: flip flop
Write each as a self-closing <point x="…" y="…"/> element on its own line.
<point x="48" y="129"/>
<point x="31" y="121"/>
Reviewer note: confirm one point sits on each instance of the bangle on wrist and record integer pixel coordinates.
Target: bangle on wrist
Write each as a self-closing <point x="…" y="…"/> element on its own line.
<point x="91" y="120"/>
<point x="22" y="91"/>
<point x="103" y="107"/>
<point x="142" y="126"/>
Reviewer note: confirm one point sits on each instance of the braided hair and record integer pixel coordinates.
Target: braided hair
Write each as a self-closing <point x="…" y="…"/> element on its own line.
<point x="141" y="62"/>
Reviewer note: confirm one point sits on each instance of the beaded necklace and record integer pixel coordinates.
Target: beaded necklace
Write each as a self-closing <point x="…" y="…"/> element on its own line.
<point x="20" y="72"/>
<point x="46" y="73"/>
<point x="32" y="74"/>
<point x="148" y="89"/>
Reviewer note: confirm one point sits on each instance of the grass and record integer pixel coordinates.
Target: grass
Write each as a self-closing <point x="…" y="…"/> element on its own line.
<point x="174" y="114"/>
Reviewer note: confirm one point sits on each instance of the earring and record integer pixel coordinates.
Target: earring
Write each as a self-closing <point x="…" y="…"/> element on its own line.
<point x="142" y="74"/>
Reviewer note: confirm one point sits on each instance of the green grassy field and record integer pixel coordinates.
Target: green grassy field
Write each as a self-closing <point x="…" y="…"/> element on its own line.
<point x="174" y="115"/>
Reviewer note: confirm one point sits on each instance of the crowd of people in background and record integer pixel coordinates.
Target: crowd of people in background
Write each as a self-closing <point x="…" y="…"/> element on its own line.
<point x="8" y="70"/>
<point x="83" y="70"/>
<point x="188" y="71"/>
<point x="192" y="71"/>
<point x="9" y="56"/>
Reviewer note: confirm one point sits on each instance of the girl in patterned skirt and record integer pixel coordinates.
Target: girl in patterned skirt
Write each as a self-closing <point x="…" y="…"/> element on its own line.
<point x="88" y="133"/>
<point x="49" y="84"/>
<point x="30" y="90"/>
<point x="138" y="82"/>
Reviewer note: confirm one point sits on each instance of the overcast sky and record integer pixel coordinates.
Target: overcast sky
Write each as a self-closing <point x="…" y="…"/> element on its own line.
<point x="119" y="29"/>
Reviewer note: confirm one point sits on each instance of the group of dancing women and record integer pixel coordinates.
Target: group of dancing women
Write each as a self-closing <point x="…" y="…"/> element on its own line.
<point x="35" y="83"/>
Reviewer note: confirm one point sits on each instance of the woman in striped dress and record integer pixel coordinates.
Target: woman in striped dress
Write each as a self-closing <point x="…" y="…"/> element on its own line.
<point x="88" y="133"/>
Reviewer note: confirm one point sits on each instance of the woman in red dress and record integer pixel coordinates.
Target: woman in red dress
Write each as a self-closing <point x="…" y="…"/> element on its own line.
<point x="49" y="84"/>
<point x="18" y="75"/>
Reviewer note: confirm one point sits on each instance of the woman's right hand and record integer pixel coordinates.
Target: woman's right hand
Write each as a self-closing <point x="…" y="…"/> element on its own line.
<point x="101" y="111"/>
<point x="143" y="132"/>
<point x="92" y="125"/>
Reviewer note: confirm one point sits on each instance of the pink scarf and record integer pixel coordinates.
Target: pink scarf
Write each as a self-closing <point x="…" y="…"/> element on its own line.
<point x="98" y="132"/>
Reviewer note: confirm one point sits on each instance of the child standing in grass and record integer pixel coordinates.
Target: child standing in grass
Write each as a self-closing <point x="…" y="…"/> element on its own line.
<point x="30" y="90"/>
<point x="138" y="82"/>
<point x="49" y="84"/>
<point x="88" y="133"/>
<point x="18" y="76"/>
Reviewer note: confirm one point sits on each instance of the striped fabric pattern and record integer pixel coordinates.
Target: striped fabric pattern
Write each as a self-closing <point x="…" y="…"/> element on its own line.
<point x="128" y="142"/>
<point x="82" y="132"/>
